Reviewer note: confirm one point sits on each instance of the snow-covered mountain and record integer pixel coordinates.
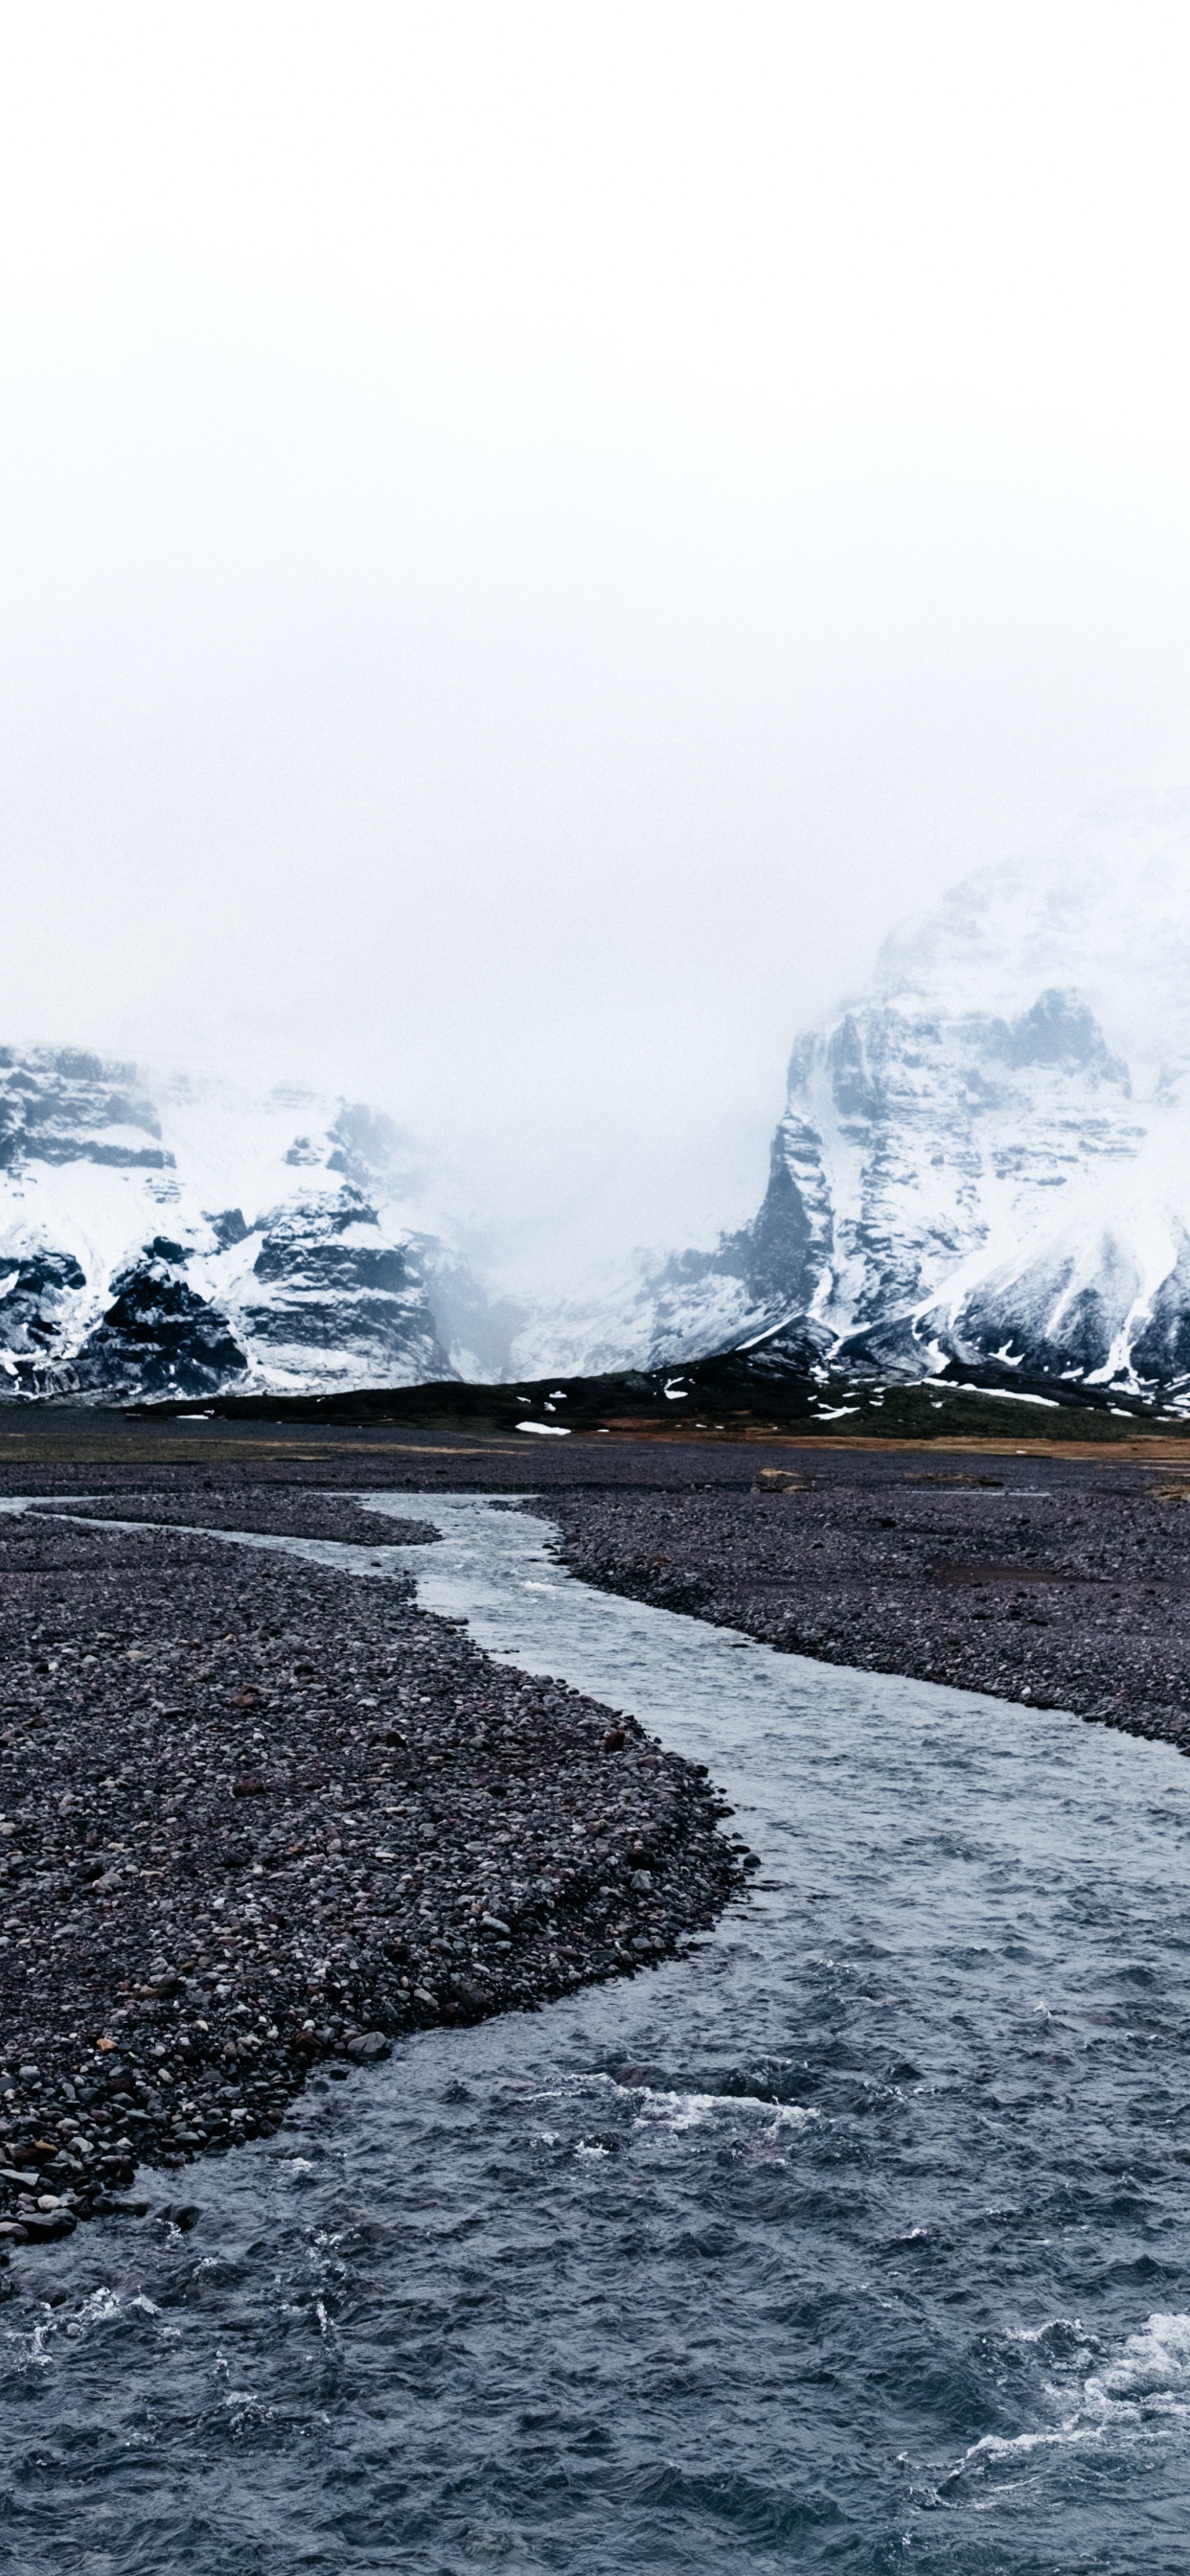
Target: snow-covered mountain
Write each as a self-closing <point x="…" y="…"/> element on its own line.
<point x="166" y="1236"/>
<point x="983" y="1158"/>
<point x="987" y="1156"/>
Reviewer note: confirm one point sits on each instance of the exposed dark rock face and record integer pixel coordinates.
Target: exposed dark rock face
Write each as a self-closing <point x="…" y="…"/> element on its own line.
<point x="321" y="1264"/>
<point x="123" y="1273"/>
<point x="901" y="1124"/>
<point x="946" y="1186"/>
<point x="917" y="1148"/>
<point x="58" y="1105"/>
<point x="228" y="1227"/>
<point x="1059" y="1030"/>
<point x="36" y="1296"/>
<point x="1161" y="1349"/>
<point x="779" y="1250"/>
<point x="984" y="1160"/>
<point x="1054" y="1322"/>
<point x="157" y="1337"/>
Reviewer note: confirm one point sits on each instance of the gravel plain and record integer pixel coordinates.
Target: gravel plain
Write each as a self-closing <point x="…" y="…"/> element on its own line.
<point x="256" y="1815"/>
<point x="1049" y="1581"/>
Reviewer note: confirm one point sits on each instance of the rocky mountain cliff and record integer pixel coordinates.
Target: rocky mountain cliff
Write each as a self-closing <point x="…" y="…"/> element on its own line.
<point x="983" y="1163"/>
<point x="986" y="1158"/>
<point x="167" y="1237"/>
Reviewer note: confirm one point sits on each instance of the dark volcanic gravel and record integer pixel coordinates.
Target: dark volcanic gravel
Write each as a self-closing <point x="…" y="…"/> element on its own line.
<point x="1055" y="1584"/>
<point x="286" y="1514"/>
<point x="254" y="1813"/>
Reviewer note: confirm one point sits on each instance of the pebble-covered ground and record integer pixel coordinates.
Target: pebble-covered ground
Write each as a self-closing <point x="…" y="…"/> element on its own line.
<point x="254" y="1813"/>
<point x="1063" y="1585"/>
<point x="289" y="1513"/>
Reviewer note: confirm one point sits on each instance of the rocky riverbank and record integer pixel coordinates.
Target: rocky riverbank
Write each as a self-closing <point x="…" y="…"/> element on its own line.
<point x="256" y="1814"/>
<point x="1055" y="1583"/>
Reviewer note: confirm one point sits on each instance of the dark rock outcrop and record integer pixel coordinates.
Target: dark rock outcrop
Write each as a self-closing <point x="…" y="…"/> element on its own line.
<point x="329" y="1265"/>
<point x="59" y="1105"/>
<point x="125" y="1272"/>
<point x="157" y="1337"/>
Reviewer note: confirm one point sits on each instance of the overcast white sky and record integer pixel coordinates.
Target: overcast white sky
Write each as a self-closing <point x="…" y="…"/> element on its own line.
<point x="531" y="534"/>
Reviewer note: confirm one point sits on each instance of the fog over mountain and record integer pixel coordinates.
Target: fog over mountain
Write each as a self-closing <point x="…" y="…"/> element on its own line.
<point x="532" y="537"/>
<point x="985" y="1157"/>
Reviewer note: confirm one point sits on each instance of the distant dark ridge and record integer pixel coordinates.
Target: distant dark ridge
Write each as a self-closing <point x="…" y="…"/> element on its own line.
<point x="738" y="1393"/>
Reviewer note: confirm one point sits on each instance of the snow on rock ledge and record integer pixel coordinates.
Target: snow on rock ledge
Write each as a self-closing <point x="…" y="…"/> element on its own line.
<point x="987" y="1158"/>
<point x="179" y="1238"/>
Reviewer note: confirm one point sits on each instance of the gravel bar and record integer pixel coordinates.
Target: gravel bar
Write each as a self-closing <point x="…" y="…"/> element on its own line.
<point x="1059" y="1585"/>
<point x="255" y="1814"/>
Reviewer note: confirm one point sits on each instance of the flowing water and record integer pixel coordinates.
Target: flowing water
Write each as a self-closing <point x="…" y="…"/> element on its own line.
<point x="858" y="2239"/>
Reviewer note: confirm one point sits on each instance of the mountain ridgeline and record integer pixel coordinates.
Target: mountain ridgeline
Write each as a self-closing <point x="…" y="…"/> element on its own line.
<point x="956" y="1191"/>
<point x="127" y="1268"/>
<point x="982" y="1167"/>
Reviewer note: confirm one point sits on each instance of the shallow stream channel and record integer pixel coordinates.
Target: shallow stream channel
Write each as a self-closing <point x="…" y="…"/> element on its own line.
<point x="858" y="2238"/>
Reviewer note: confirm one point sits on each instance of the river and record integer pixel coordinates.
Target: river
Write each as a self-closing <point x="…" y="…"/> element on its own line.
<point x="856" y="2239"/>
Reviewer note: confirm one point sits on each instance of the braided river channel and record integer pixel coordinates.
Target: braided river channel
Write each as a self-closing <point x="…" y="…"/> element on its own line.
<point x="859" y="2238"/>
